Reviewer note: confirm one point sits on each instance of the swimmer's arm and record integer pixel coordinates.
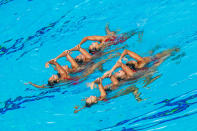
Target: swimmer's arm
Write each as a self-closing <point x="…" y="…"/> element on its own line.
<point x="102" y="91"/>
<point x="85" y="53"/>
<point x="54" y="67"/>
<point x="107" y="86"/>
<point x="127" y="70"/>
<point x="159" y="63"/>
<point x="114" y="80"/>
<point x="132" y="55"/>
<point x="114" y="83"/>
<point x="92" y="38"/>
<point x="38" y="86"/>
<point x="109" y="73"/>
<point x="117" y="65"/>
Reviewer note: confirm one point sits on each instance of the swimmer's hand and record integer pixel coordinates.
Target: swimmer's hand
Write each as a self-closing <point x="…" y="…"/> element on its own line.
<point x="47" y="65"/>
<point x="78" y="46"/>
<point x="107" y="74"/>
<point x="98" y="80"/>
<point x="67" y="51"/>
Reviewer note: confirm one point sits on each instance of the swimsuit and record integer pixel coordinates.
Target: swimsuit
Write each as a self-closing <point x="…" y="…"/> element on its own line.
<point x="114" y="40"/>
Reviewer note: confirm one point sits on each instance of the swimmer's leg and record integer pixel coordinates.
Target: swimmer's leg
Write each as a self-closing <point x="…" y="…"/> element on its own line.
<point x="129" y="34"/>
<point x="107" y="30"/>
<point x="167" y="53"/>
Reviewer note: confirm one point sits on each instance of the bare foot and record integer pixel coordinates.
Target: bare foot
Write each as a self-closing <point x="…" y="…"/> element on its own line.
<point x="76" y="111"/>
<point x="76" y="107"/>
<point x="177" y="49"/>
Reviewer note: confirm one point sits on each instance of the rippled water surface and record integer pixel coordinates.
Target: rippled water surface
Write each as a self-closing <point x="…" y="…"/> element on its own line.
<point x="34" y="31"/>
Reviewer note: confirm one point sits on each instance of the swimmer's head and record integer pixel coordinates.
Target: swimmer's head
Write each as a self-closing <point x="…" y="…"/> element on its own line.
<point x="79" y="59"/>
<point x="93" y="48"/>
<point x="120" y="75"/>
<point x="94" y="45"/>
<point x="53" y="79"/>
<point x="131" y="66"/>
<point x="91" y="100"/>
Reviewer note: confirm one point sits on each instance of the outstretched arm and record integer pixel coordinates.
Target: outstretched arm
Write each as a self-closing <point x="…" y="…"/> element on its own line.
<point x="38" y="86"/>
<point x="92" y="38"/>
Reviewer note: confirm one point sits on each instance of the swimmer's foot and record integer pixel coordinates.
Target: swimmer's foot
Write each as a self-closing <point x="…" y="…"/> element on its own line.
<point x="177" y="49"/>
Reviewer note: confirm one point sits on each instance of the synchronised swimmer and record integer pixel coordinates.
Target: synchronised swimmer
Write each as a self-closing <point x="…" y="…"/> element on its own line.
<point x="130" y="70"/>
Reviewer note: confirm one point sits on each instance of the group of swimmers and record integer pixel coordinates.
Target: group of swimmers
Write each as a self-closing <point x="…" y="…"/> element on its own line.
<point x="131" y="70"/>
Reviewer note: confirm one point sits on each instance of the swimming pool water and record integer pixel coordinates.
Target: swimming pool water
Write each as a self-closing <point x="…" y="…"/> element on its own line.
<point x="33" y="32"/>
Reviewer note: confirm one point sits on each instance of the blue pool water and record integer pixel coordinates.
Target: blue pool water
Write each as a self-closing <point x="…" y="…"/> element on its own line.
<point x="34" y="31"/>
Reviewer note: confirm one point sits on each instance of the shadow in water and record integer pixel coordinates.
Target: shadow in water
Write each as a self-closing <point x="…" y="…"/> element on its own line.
<point x="16" y="103"/>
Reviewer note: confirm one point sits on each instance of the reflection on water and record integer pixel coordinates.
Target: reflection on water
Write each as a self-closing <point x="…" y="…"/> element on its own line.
<point x="169" y="110"/>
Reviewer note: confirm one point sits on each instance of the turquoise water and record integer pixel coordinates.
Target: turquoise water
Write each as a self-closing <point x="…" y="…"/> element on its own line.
<point x="33" y="32"/>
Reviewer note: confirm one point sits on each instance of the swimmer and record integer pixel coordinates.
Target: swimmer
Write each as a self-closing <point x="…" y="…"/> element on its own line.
<point x="64" y="71"/>
<point x="134" y="69"/>
<point x="110" y="39"/>
<point x="93" y="99"/>
<point x="61" y="76"/>
<point x="103" y="95"/>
